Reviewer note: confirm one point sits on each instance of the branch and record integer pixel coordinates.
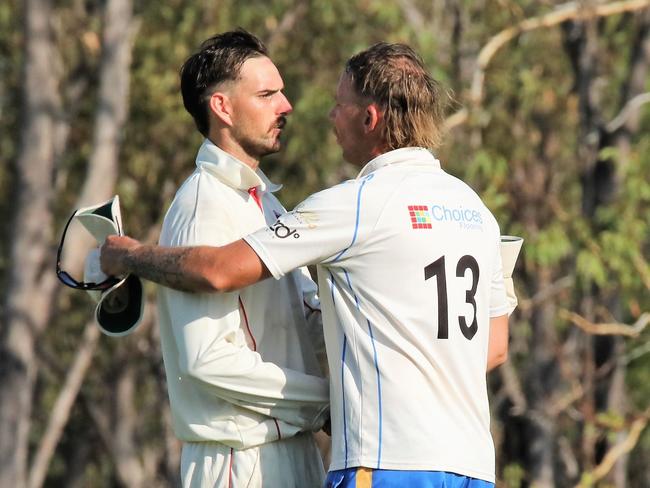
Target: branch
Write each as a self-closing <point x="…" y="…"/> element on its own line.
<point x="63" y="405"/>
<point x="630" y="109"/>
<point x="118" y="39"/>
<point x="546" y="293"/>
<point x="643" y="268"/>
<point x="512" y="386"/>
<point x="568" y="11"/>
<point x="412" y="14"/>
<point x="616" y="452"/>
<point x="286" y="25"/>
<point x="636" y="353"/>
<point x="562" y="403"/>
<point x="458" y="118"/>
<point x="607" y="328"/>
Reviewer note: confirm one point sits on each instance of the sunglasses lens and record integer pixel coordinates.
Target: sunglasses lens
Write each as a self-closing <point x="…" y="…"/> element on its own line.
<point x="105" y="285"/>
<point x="68" y="280"/>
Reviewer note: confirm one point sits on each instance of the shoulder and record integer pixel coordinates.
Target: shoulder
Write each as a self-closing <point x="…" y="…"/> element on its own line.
<point x="345" y="194"/>
<point x="334" y="196"/>
<point x="199" y="213"/>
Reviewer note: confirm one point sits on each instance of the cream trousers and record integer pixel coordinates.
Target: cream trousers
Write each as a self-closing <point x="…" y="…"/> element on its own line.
<point x="288" y="463"/>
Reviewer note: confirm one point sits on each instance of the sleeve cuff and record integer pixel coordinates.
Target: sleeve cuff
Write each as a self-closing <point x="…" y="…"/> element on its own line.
<point x="266" y="258"/>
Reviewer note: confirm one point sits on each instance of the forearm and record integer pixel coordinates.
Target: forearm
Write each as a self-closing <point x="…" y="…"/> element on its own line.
<point x="214" y="357"/>
<point x="180" y="268"/>
<point x="193" y="269"/>
<point x="298" y="399"/>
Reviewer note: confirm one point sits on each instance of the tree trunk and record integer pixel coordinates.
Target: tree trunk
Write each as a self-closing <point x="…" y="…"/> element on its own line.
<point x="112" y="108"/>
<point x="30" y="276"/>
<point x="102" y="173"/>
<point x="63" y="406"/>
<point x="616" y="394"/>
<point x="601" y="185"/>
<point x="123" y="445"/>
<point x="542" y="382"/>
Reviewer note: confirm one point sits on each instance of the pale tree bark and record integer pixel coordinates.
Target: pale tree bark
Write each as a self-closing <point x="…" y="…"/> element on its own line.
<point x="29" y="298"/>
<point x="117" y="422"/>
<point x="63" y="406"/>
<point x="124" y="449"/>
<point x="112" y="108"/>
<point x="30" y="279"/>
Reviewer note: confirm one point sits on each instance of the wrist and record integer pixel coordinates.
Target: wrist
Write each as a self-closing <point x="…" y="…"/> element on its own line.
<point x="131" y="257"/>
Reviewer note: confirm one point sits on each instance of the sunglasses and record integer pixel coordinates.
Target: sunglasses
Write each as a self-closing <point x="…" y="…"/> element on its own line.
<point x="65" y="278"/>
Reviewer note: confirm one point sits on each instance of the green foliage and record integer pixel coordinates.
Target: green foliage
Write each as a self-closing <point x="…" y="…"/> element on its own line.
<point x="550" y="246"/>
<point x="513" y="476"/>
<point x="522" y="151"/>
<point x="590" y="268"/>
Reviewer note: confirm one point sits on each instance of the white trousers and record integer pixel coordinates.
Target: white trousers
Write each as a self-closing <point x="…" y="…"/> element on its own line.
<point x="287" y="463"/>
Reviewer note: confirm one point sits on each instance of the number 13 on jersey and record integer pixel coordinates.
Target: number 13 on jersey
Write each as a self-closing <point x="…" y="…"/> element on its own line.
<point x="437" y="269"/>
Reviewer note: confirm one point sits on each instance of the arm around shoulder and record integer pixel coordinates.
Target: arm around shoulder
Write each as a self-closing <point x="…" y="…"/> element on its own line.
<point x="194" y="269"/>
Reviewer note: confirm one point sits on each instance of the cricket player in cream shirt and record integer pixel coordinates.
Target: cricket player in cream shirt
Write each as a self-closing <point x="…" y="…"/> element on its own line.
<point x="243" y="367"/>
<point x="245" y="385"/>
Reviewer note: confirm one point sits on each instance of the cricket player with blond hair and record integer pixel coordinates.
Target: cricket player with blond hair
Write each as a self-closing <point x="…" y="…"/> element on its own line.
<point x="410" y="274"/>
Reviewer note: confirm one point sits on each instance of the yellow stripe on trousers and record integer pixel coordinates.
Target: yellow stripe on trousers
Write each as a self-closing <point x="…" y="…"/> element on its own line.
<point x="364" y="478"/>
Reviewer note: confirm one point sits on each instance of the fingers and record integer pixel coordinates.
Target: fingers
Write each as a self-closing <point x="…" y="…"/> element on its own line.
<point x="114" y="252"/>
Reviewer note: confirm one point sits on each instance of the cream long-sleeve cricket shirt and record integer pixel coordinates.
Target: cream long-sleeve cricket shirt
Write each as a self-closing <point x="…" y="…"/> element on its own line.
<point x="243" y="367"/>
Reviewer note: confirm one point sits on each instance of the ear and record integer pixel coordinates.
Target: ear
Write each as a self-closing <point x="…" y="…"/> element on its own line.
<point x="374" y="116"/>
<point x="221" y="107"/>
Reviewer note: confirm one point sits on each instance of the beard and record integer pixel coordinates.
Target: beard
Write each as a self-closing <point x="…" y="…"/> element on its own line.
<point x="259" y="147"/>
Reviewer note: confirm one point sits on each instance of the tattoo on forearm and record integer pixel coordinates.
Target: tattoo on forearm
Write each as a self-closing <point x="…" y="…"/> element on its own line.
<point x="162" y="266"/>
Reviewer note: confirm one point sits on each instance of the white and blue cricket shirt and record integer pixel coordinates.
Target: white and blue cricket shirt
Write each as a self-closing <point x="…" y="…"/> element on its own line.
<point x="409" y="275"/>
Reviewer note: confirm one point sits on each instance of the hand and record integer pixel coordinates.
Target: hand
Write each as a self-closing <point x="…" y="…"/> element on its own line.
<point x="114" y="252"/>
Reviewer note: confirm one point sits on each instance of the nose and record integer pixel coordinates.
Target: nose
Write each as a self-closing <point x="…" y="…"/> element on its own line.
<point x="331" y="113"/>
<point x="285" y="106"/>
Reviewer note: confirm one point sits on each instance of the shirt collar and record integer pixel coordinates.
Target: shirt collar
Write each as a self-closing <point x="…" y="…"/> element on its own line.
<point x="230" y="170"/>
<point x="412" y="155"/>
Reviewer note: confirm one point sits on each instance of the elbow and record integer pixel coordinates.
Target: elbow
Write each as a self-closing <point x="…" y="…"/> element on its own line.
<point x="501" y="358"/>
<point x="497" y="359"/>
<point x="216" y="276"/>
<point x="208" y="278"/>
<point x="202" y="271"/>
<point x="216" y="282"/>
<point x="502" y="355"/>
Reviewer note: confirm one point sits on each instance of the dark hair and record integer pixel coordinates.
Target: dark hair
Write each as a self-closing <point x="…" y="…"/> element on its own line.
<point x="394" y="77"/>
<point x="219" y="59"/>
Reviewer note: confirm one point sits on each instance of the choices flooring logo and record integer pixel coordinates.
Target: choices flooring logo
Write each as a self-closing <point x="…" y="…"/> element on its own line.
<point x="420" y="216"/>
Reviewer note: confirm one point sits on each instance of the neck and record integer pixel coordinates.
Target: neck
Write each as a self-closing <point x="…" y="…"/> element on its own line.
<point x="373" y="153"/>
<point x="230" y="146"/>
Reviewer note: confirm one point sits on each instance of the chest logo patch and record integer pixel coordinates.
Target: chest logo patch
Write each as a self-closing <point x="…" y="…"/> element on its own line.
<point x="420" y="216"/>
